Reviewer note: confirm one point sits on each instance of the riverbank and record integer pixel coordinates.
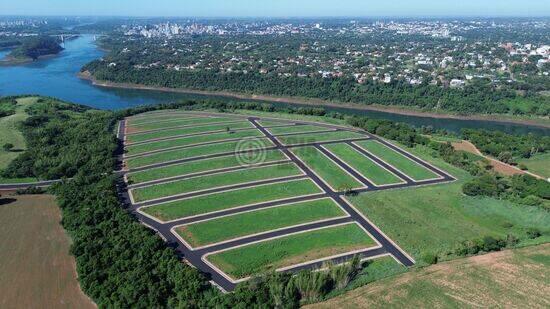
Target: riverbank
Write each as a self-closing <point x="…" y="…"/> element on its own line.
<point x="539" y="122"/>
<point x="10" y="61"/>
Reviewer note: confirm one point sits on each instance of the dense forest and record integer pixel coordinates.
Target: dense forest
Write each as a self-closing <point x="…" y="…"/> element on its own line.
<point x="36" y="47"/>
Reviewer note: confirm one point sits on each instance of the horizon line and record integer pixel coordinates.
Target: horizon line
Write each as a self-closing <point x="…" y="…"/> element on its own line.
<point x="282" y="16"/>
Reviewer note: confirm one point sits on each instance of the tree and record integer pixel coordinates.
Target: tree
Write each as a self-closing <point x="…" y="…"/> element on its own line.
<point x="8" y="146"/>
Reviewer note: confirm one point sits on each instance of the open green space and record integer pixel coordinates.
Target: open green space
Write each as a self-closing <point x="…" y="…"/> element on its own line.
<point x="213" y="231"/>
<point x="192" y="152"/>
<point x="192" y="140"/>
<point x="231" y="199"/>
<point x="289" y="250"/>
<point x="362" y="164"/>
<point x="329" y="171"/>
<point x="214" y="181"/>
<point x="538" y="164"/>
<point x="199" y="166"/>
<point x="318" y="137"/>
<point x="397" y="160"/>
<point x="162" y="117"/>
<point x="10" y="133"/>
<point x="297" y="129"/>
<point x="435" y="219"/>
<point x="141" y="137"/>
<point x="179" y="122"/>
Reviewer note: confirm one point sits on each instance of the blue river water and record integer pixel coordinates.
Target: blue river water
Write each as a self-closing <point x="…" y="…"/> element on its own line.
<point x="57" y="77"/>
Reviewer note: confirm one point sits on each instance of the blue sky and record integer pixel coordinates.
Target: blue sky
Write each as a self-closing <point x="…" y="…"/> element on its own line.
<point x="277" y="8"/>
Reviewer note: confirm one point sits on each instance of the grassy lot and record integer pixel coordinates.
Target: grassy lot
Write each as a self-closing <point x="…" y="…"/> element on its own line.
<point x="297" y="129"/>
<point x="214" y="181"/>
<point x="326" y="169"/>
<point x="290" y="250"/>
<point x="197" y="167"/>
<point x="508" y="279"/>
<point x="318" y="137"/>
<point x="36" y="266"/>
<point x="175" y="123"/>
<point x="362" y="164"/>
<point x="9" y="132"/>
<point x="232" y="199"/>
<point x="269" y="123"/>
<point x="158" y="118"/>
<point x="258" y="221"/>
<point x="190" y="153"/>
<point x="189" y="130"/>
<point x="436" y="218"/>
<point x="192" y="140"/>
<point x="539" y="164"/>
<point x="402" y="163"/>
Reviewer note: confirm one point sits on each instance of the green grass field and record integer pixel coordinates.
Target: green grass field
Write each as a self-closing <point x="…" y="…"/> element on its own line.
<point x="178" y="122"/>
<point x="189" y="130"/>
<point x="9" y="132"/>
<point x="436" y="218"/>
<point x="318" y="137"/>
<point x="214" y="181"/>
<point x="189" y="141"/>
<point x="538" y="164"/>
<point x="270" y="255"/>
<point x="232" y="199"/>
<point x="269" y="123"/>
<point x="336" y="177"/>
<point x="402" y="163"/>
<point x="213" y="231"/>
<point x="191" y="153"/>
<point x="363" y="164"/>
<point x="297" y="129"/>
<point x="197" y="167"/>
<point x="159" y="118"/>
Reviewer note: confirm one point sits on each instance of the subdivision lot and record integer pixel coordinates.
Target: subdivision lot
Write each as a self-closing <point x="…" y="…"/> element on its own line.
<point x="214" y="181"/>
<point x="290" y="250"/>
<point x="158" y="118"/>
<point x="201" y="166"/>
<point x="197" y="151"/>
<point x="217" y="230"/>
<point x="190" y="141"/>
<point x="362" y="164"/>
<point x="329" y="171"/>
<point x="143" y="137"/>
<point x="231" y="199"/>
<point x="177" y="122"/>
<point x="274" y="123"/>
<point x="397" y="160"/>
<point x="318" y="137"/>
<point x="298" y="129"/>
<point x="37" y="268"/>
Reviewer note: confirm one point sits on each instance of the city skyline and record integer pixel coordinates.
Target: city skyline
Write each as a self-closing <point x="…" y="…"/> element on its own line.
<point x="282" y="8"/>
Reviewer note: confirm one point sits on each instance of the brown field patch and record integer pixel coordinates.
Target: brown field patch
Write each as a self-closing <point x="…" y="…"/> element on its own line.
<point x="37" y="269"/>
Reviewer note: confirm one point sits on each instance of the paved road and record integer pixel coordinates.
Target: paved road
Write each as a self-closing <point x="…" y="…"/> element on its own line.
<point x="387" y="246"/>
<point x="18" y="186"/>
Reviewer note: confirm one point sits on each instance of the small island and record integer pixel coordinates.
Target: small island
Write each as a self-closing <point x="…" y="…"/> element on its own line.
<point x="33" y="49"/>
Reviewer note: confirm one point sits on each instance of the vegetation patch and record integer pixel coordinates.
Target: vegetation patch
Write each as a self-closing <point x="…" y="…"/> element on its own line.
<point x="199" y="166"/>
<point x="231" y="199"/>
<point x="289" y="250"/>
<point x="193" y="152"/>
<point x="213" y="231"/>
<point x="329" y="171"/>
<point x="318" y="137"/>
<point x="213" y="181"/>
<point x="189" y="141"/>
<point x="397" y="160"/>
<point x="363" y="164"/>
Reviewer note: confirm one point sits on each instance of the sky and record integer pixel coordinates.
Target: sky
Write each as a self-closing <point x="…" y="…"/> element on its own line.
<point x="278" y="8"/>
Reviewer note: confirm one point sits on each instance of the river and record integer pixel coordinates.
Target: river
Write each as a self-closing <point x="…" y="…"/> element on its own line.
<point x="57" y="77"/>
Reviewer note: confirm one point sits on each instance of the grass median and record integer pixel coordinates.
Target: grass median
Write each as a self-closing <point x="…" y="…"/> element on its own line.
<point x="363" y="164"/>
<point x="397" y="160"/>
<point x="197" y="151"/>
<point x="290" y="250"/>
<point x="213" y="231"/>
<point x="231" y="199"/>
<point x="214" y="181"/>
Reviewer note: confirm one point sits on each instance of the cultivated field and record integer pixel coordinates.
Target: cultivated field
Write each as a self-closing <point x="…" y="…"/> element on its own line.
<point x="36" y="266"/>
<point x="242" y="196"/>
